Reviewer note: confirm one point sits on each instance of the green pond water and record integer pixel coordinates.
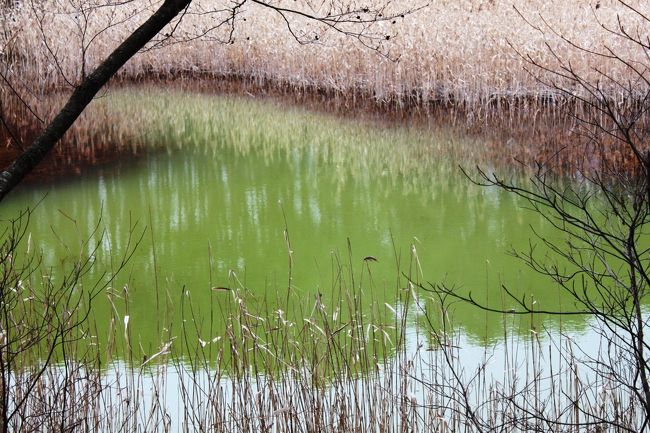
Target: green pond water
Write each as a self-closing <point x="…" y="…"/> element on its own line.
<point x="268" y="200"/>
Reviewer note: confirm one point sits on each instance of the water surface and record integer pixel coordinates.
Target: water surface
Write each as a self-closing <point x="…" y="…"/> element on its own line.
<point x="270" y="200"/>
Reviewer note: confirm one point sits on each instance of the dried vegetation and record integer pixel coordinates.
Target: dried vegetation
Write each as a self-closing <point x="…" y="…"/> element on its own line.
<point x="465" y="62"/>
<point x="291" y="363"/>
<point x="471" y="53"/>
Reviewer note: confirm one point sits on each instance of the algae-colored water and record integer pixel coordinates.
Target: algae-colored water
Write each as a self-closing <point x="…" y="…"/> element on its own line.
<point x="271" y="200"/>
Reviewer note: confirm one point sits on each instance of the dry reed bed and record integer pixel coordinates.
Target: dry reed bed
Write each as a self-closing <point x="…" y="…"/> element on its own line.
<point x="458" y="53"/>
<point x="460" y="61"/>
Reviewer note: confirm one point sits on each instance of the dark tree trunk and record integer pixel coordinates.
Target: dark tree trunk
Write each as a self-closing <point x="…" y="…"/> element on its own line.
<point x="85" y="92"/>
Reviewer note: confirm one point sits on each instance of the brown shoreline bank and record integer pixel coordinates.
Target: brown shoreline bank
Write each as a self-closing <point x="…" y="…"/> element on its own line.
<point x="514" y="136"/>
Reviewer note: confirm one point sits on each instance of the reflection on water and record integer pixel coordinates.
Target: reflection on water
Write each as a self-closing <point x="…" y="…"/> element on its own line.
<point x="215" y="214"/>
<point x="178" y="396"/>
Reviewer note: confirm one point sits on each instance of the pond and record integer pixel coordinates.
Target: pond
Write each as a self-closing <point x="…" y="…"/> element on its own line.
<point x="252" y="195"/>
<point x="290" y="255"/>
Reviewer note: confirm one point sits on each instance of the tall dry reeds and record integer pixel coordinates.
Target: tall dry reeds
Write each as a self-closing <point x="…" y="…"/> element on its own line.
<point x="465" y="62"/>
<point x="469" y="53"/>
<point x="468" y="63"/>
<point x="320" y="364"/>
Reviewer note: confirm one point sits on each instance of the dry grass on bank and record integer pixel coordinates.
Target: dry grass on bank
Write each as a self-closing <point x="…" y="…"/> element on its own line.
<point x="458" y="52"/>
<point x="457" y="61"/>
